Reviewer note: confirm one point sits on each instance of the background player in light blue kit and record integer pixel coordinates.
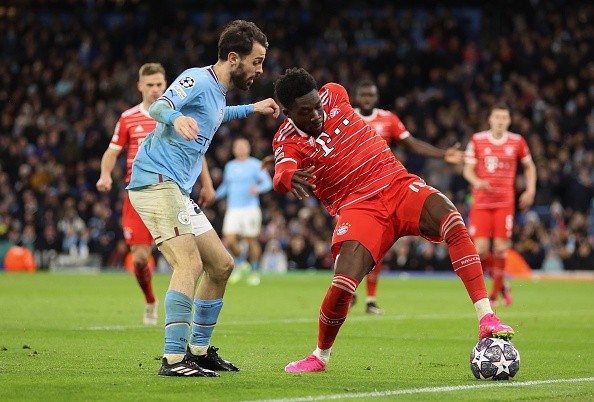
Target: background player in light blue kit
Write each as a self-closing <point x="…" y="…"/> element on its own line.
<point x="244" y="180"/>
<point x="165" y="169"/>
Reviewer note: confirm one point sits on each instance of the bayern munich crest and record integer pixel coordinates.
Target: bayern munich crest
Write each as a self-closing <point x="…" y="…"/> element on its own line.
<point x="342" y="229"/>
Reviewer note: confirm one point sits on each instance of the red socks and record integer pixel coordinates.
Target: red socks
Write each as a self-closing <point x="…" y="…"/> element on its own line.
<point x="465" y="260"/>
<point x="335" y="308"/>
<point x="144" y="277"/>
<point x="372" y="278"/>
<point x="497" y="276"/>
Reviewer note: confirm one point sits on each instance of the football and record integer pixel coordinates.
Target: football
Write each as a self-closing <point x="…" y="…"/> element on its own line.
<point x="494" y="359"/>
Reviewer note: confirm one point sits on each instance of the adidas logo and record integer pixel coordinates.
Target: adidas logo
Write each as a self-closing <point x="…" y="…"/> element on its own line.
<point x="139" y="129"/>
<point x="184" y="370"/>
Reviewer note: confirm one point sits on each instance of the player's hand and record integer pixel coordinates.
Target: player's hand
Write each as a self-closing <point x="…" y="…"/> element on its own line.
<point x="207" y="196"/>
<point x="481" y="184"/>
<point x="254" y="190"/>
<point x="454" y="155"/>
<point x="300" y="183"/>
<point x="267" y="162"/>
<point x="526" y="199"/>
<point x="104" y="183"/>
<point x="267" y="107"/>
<point x="187" y="127"/>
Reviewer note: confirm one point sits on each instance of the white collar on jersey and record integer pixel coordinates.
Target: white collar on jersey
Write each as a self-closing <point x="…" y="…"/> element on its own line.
<point x="497" y="141"/>
<point x="372" y="116"/>
<point x="143" y="110"/>
<point x="299" y="131"/>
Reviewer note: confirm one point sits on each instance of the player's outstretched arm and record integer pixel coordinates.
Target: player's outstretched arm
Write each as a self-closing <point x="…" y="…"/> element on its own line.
<point x="267" y="107"/>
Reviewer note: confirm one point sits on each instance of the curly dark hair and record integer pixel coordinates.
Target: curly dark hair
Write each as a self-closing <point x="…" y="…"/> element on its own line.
<point x="294" y="83"/>
<point x="239" y="36"/>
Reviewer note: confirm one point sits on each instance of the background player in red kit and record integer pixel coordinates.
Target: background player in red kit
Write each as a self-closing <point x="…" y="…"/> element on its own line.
<point x="325" y="147"/>
<point x="491" y="164"/>
<point x="391" y="129"/>
<point x="132" y="127"/>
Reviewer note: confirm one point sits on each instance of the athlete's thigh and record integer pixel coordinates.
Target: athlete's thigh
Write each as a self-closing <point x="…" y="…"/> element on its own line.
<point x="366" y="223"/>
<point x="213" y="252"/>
<point x="503" y="223"/>
<point x="135" y="231"/>
<point x="353" y="260"/>
<point x="481" y="223"/>
<point x="407" y="197"/>
<point x="164" y="209"/>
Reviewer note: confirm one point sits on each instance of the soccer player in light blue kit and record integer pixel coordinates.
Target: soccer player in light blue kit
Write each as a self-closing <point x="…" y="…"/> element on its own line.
<point x="244" y="180"/>
<point x="164" y="171"/>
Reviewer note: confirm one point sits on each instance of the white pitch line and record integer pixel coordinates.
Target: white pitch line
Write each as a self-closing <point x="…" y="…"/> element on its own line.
<point x="314" y="319"/>
<point x="411" y="391"/>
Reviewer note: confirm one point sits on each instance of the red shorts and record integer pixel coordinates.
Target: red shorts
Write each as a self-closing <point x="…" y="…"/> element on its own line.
<point x="379" y="221"/>
<point x="493" y="223"/>
<point x="135" y="232"/>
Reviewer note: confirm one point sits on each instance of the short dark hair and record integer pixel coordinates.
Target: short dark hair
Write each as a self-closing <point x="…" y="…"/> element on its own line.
<point x="363" y="84"/>
<point x="500" y="106"/>
<point x="239" y="36"/>
<point x="294" y="83"/>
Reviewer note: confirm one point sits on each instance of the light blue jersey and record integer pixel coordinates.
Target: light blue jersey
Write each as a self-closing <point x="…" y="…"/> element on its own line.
<point x="238" y="178"/>
<point x="165" y="154"/>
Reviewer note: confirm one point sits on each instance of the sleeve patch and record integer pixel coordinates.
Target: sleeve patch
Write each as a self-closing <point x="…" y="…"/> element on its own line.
<point x="187" y="82"/>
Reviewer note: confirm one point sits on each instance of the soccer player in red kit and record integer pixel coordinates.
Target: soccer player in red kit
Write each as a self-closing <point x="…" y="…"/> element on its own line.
<point x="490" y="167"/>
<point x="132" y="127"/>
<point x="325" y="147"/>
<point x="391" y="129"/>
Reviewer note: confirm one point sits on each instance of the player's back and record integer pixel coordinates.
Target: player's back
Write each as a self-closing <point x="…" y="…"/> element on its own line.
<point x="351" y="162"/>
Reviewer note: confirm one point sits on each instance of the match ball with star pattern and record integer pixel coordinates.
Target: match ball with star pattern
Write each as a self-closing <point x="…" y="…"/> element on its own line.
<point x="494" y="359"/>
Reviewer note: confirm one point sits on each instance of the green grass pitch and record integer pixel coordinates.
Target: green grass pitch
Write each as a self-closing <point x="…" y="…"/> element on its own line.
<point x="79" y="338"/>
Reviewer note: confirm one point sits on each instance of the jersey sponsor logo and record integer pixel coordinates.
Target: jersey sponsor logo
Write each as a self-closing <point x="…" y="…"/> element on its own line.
<point x="183" y="217"/>
<point x="491" y="163"/>
<point x="187" y="82"/>
<point x="179" y="90"/>
<point x="342" y="229"/>
<point x="324" y="139"/>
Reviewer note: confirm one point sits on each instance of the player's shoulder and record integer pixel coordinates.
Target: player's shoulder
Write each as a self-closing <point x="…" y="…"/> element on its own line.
<point x="384" y="113"/>
<point x="286" y="133"/>
<point x="333" y="91"/>
<point x="515" y="137"/>
<point x="481" y="135"/>
<point x="134" y="110"/>
<point x="189" y="77"/>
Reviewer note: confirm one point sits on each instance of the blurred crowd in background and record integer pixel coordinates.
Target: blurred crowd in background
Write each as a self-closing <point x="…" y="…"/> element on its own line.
<point x="68" y="69"/>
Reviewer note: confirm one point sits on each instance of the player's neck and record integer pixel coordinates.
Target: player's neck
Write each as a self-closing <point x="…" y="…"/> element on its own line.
<point x="366" y="112"/>
<point x="497" y="134"/>
<point x="223" y="75"/>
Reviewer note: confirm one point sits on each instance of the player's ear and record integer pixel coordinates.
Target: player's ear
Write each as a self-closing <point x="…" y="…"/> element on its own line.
<point x="233" y="58"/>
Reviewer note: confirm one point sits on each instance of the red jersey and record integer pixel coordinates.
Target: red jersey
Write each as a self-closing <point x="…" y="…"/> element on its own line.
<point x="132" y="127"/>
<point x="386" y="124"/>
<point x="496" y="161"/>
<point x="351" y="163"/>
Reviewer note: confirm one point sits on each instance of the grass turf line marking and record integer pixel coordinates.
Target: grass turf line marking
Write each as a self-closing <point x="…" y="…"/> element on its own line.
<point x="312" y="319"/>
<point x="411" y="391"/>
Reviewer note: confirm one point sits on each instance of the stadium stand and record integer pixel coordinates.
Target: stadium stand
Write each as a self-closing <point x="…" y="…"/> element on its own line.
<point x="68" y="69"/>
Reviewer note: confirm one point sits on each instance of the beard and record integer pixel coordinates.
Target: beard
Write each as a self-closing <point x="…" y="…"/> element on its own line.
<point x="240" y="79"/>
